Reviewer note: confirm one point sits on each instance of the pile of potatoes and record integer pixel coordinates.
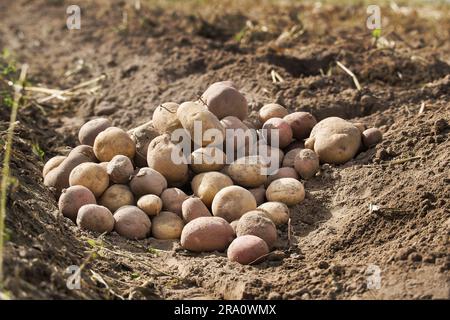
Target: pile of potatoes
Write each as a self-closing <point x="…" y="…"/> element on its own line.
<point x="129" y="183"/>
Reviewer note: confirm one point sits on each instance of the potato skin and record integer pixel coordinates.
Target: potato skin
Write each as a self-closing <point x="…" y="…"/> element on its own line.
<point x="206" y="185"/>
<point x="151" y="204"/>
<point x="132" y="223"/>
<point x="301" y="124"/>
<point x="224" y="100"/>
<point x="284" y="172"/>
<point x="289" y="157"/>
<point x="247" y="249"/>
<point x="167" y="225"/>
<point x="95" y="218"/>
<point x="193" y="208"/>
<point x="91" y="175"/>
<point x="120" y="169"/>
<point x="173" y="199"/>
<point x="372" y="137"/>
<point x="284" y="132"/>
<point x="52" y="163"/>
<point x="232" y="202"/>
<point x="207" y="159"/>
<point x="258" y="224"/>
<point x="165" y="118"/>
<point x="272" y="110"/>
<point x="278" y="212"/>
<point x="142" y="136"/>
<point x="249" y="172"/>
<point x="148" y="181"/>
<point x="307" y="163"/>
<point x="207" y="234"/>
<point x="235" y="128"/>
<point x="72" y="199"/>
<point x="90" y="130"/>
<point x="116" y="196"/>
<point x="113" y="141"/>
<point x="286" y="190"/>
<point x="259" y="194"/>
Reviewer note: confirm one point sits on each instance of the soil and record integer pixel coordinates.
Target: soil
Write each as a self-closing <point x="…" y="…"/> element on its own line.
<point x="173" y="52"/>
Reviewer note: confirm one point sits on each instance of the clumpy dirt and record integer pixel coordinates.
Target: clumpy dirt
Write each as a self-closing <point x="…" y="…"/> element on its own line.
<point x="172" y="53"/>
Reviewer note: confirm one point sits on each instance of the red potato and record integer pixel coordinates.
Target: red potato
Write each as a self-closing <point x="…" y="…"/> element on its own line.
<point x="91" y="175"/>
<point x="247" y="249"/>
<point x="371" y="137"/>
<point x="148" y="181"/>
<point x="272" y="110"/>
<point x="193" y="208"/>
<point x="90" y="130"/>
<point x="52" y="164"/>
<point x="120" y="169"/>
<point x="224" y="100"/>
<point x="258" y="224"/>
<point x="132" y="223"/>
<point x="301" y="124"/>
<point x="113" y="141"/>
<point x="284" y="172"/>
<point x="72" y="199"/>
<point x="284" y="132"/>
<point x="173" y="199"/>
<point x="307" y="163"/>
<point x="95" y="218"/>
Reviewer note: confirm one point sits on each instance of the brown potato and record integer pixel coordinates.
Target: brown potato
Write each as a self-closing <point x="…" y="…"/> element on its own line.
<point x="90" y="130"/>
<point x="206" y="185"/>
<point x="224" y="100"/>
<point x="287" y="190"/>
<point x="247" y="249"/>
<point x="284" y="172"/>
<point x="289" y="157"/>
<point x="306" y="163"/>
<point x="120" y="169"/>
<point x="72" y="199"/>
<point x="278" y="212"/>
<point x="173" y="199"/>
<point x="232" y="202"/>
<point x="167" y="225"/>
<point x="148" y="181"/>
<point x="116" y="196"/>
<point x="165" y="118"/>
<point x="113" y="141"/>
<point x="207" y="159"/>
<point x="193" y="208"/>
<point x="52" y="164"/>
<point x="259" y="194"/>
<point x="207" y="234"/>
<point x="95" y="218"/>
<point x="284" y="132"/>
<point x="132" y="223"/>
<point x="372" y="137"/>
<point x="249" y="172"/>
<point x="142" y="136"/>
<point x="258" y="224"/>
<point x="91" y="175"/>
<point x="272" y="110"/>
<point x="104" y="165"/>
<point x="301" y="124"/>
<point x="151" y="204"/>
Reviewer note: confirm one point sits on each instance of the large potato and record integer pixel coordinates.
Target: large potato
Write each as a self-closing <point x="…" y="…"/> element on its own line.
<point x="95" y="218"/>
<point x="207" y="234"/>
<point x="287" y="190"/>
<point x="173" y="199"/>
<point x="249" y="172"/>
<point x="282" y="128"/>
<point x="206" y="185"/>
<point x="113" y="141"/>
<point x="193" y="208"/>
<point x="167" y="225"/>
<point x="120" y="169"/>
<point x="278" y="212"/>
<point x="132" y="223"/>
<point x="224" y="100"/>
<point x="148" y="181"/>
<point x="116" y="196"/>
<point x="232" y="202"/>
<point x="272" y="110"/>
<point x="207" y="159"/>
<point x="90" y="130"/>
<point x="335" y="140"/>
<point x="165" y="118"/>
<point x="142" y="136"/>
<point x="307" y="163"/>
<point x="257" y="224"/>
<point x="301" y="124"/>
<point x="247" y="249"/>
<point x="72" y="199"/>
<point x="52" y="164"/>
<point x="151" y="204"/>
<point x="284" y="172"/>
<point x="91" y="175"/>
<point x="289" y="157"/>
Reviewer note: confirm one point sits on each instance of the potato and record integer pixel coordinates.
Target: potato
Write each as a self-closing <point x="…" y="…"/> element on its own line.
<point x="173" y="199"/>
<point x="148" y="181"/>
<point x="207" y="234"/>
<point x="372" y="137"/>
<point x="151" y="204"/>
<point x="160" y="157"/>
<point x="132" y="223"/>
<point x="167" y="225"/>
<point x="258" y="224"/>
<point x="206" y="185"/>
<point x="272" y="110"/>
<point x="120" y="169"/>
<point x="307" y="163"/>
<point x="95" y="218"/>
<point x="72" y="199"/>
<point x="335" y="140"/>
<point x="287" y="190"/>
<point x="52" y="164"/>
<point x="271" y="155"/>
<point x="289" y="158"/>
<point x="284" y="132"/>
<point x="203" y="126"/>
<point x="116" y="196"/>
<point x="295" y="144"/>
<point x="247" y="249"/>
<point x="90" y="130"/>
<point x="259" y="194"/>
<point x="224" y="100"/>
<point x="236" y="133"/>
<point x="249" y="172"/>
<point x="165" y="118"/>
<point x="284" y="172"/>
<point x="91" y="175"/>
<point x="58" y="177"/>
<point x="278" y="212"/>
<point x="113" y="141"/>
<point x="142" y="136"/>
<point x="234" y="224"/>
<point x="193" y="208"/>
<point x="232" y="202"/>
<point x="207" y="159"/>
<point x="104" y="165"/>
<point x="301" y="124"/>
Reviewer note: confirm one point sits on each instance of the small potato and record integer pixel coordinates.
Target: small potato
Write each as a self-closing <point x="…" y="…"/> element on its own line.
<point x="193" y="208"/>
<point x="113" y="141"/>
<point x="301" y="124"/>
<point x="95" y="218"/>
<point x="52" y="164"/>
<point x="173" y="199"/>
<point x="287" y="190"/>
<point x="247" y="249"/>
<point x="120" y="169"/>
<point x="232" y="202"/>
<point x="372" y="137"/>
<point x="257" y="224"/>
<point x="142" y="136"/>
<point x="249" y="172"/>
<point x="207" y="159"/>
<point x="307" y="163"/>
<point x="72" y="199"/>
<point x="284" y="132"/>
<point x="207" y="234"/>
<point x="206" y="185"/>
<point x="289" y="157"/>
<point x="132" y="223"/>
<point x="116" y="196"/>
<point x="151" y="204"/>
<point x="259" y="194"/>
<point x="148" y="181"/>
<point x="90" y="130"/>
<point x="167" y="225"/>
<point x="165" y="118"/>
<point x="91" y="175"/>
<point x="284" y="172"/>
<point x="278" y="212"/>
<point x="272" y="110"/>
<point x="224" y="100"/>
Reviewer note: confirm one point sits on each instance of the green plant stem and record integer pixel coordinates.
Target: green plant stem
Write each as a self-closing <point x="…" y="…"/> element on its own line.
<point x="6" y="159"/>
